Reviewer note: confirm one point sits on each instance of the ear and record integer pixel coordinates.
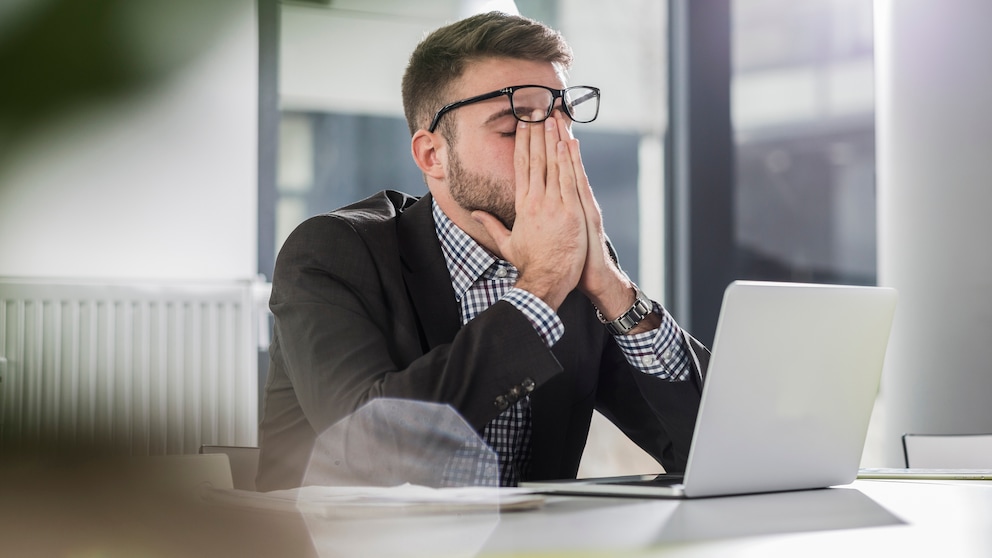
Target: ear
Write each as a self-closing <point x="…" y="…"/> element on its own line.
<point x="427" y="149"/>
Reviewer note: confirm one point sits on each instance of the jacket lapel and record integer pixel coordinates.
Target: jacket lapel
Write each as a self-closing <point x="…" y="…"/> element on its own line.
<point x="426" y="275"/>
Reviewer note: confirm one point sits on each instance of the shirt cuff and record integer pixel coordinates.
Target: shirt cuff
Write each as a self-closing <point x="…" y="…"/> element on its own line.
<point x="545" y="321"/>
<point x="660" y="352"/>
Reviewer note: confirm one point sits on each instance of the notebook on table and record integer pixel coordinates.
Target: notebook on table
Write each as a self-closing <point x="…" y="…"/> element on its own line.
<point x="787" y="398"/>
<point x="886" y="473"/>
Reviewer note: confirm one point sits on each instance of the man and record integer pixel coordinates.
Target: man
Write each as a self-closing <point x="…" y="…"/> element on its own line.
<point x="497" y="293"/>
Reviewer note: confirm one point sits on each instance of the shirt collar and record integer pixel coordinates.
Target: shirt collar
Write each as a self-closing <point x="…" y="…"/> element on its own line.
<point x="467" y="260"/>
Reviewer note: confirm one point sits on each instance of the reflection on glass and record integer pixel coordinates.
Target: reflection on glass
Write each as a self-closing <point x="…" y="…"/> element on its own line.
<point x="390" y="442"/>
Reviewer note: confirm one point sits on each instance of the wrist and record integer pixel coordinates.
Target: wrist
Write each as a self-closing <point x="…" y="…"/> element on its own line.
<point x="634" y="319"/>
<point x="615" y="294"/>
<point x="550" y="293"/>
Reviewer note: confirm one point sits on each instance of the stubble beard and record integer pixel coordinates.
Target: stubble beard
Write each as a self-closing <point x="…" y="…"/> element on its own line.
<point x="476" y="192"/>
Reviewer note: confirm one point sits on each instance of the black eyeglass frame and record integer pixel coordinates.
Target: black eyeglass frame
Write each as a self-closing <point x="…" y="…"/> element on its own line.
<point x="508" y="91"/>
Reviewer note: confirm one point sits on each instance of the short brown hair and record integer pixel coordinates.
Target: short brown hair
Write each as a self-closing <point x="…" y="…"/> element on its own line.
<point x="441" y="57"/>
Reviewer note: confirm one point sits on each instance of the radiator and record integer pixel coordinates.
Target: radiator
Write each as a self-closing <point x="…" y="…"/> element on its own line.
<point x="141" y="369"/>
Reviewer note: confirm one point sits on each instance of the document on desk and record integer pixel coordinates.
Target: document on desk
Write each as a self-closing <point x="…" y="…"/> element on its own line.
<point x="925" y="474"/>
<point x="374" y="501"/>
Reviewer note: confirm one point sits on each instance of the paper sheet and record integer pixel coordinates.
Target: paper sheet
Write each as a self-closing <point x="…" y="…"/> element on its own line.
<point x="372" y="501"/>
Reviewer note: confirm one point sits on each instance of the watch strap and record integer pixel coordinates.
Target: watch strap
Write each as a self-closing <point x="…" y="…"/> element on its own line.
<point x="629" y="319"/>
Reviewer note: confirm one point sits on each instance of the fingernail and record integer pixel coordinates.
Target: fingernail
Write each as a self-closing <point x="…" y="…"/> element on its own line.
<point x="521" y="124"/>
<point x="549" y="124"/>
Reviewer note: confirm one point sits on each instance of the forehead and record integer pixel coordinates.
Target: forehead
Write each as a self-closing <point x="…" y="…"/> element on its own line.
<point x="489" y="74"/>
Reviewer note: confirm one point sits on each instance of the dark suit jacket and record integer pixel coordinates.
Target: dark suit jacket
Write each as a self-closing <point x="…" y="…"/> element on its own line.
<point x="364" y="308"/>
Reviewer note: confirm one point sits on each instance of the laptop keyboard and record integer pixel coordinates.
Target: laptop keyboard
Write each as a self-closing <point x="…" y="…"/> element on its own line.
<point x="660" y="480"/>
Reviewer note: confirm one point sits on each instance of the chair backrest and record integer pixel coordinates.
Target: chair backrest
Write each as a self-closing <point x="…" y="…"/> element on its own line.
<point x="948" y="451"/>
<point x="244" y="463"/>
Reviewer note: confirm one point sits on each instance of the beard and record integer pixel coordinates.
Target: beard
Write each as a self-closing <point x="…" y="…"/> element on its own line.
<point x="473" y="191"/>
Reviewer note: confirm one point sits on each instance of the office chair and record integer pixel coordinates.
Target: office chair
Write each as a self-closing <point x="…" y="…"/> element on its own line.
<point x="244" y="463"/>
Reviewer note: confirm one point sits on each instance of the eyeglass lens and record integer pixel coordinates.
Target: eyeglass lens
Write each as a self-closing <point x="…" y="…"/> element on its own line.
<point x="582" y="103"/>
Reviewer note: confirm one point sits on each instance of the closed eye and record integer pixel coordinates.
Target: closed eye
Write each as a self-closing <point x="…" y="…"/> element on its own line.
<point x="504" y="123"/>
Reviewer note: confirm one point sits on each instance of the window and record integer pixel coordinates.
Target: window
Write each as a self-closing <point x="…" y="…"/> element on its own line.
<point x="803" y="117"/>
<point x="340" y="142"/>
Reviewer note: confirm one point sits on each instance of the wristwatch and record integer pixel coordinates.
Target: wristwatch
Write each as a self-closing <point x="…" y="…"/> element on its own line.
<point x="629" y="319"/>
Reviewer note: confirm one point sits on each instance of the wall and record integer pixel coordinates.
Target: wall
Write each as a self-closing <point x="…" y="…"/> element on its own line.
<point x="934" y="134"/>
<point x="149" y="176"/>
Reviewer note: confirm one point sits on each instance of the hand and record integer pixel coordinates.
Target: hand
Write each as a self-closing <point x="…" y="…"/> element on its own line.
<point x="549" y="242"/>
<point x="601" y="279"/>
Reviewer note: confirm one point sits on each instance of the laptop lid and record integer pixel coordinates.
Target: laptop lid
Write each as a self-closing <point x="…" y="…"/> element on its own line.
<point x="792" y="382"/>
<point x="788" y="394"/>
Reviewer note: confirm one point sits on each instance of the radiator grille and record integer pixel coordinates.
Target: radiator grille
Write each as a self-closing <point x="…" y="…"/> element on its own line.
<point x="143" y="369"/>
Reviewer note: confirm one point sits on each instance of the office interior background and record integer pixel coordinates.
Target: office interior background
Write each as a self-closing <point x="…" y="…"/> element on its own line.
<point x="150" y="147"/>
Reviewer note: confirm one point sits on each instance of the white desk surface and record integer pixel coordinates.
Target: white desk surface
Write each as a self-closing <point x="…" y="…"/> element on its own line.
<point x="880" y="518"/>
<point x="66" y="515"/>
<point x="896" y="518"/>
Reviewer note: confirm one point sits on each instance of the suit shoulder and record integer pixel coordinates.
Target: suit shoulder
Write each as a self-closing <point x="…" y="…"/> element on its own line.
<point x="383" y="206"/>
<point x="352" y="236"/>
<point x="367" y="216"/>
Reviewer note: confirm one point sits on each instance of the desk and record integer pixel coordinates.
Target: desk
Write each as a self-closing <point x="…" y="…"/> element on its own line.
<point x="74" y="516"/>
<point x="884" y="518"/>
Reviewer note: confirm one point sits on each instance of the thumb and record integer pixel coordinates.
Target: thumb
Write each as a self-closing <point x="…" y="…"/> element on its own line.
<point x="499" y="233"/>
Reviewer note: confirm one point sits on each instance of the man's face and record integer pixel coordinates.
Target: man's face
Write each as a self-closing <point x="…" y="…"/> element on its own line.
<point x="480" y="173"/>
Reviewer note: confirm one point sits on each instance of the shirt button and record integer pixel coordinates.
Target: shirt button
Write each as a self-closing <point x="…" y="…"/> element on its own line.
<point x="647" y="360"/>
<point x="501" y="272"/>
<point x="667" y="355"/>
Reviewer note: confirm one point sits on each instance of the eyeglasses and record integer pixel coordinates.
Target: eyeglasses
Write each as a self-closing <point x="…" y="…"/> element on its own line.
<point x="580" y="103"/>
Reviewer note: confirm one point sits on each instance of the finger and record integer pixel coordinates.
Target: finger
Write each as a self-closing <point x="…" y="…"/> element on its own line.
<point x="552" y="154"/>
<point x="579" y="171"/>
<point x="566" y="166"/>
<point x="538" y="158"/>
<point x="594" y="216"/>
<point x="574" y="155"/>
<point x="521" y="160"/>
<point x="499" y="233"/>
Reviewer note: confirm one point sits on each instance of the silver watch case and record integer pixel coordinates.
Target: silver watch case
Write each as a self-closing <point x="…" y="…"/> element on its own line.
<point x="629" y="319"/>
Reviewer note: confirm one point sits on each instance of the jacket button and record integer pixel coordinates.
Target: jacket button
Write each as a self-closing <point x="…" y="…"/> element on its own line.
<point x="501" y="403"/>
<point x="528" y="385"/>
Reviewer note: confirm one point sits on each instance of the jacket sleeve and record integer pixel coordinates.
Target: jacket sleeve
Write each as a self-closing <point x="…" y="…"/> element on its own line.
<point x="657" y="414"/>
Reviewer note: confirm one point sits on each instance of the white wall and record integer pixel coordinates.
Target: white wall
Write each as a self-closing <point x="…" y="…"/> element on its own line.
<point x="934" y="135"/>
<point x="158" y="185"/>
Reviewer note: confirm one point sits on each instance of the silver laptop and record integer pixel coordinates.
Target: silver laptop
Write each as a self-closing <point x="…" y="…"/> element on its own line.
<point x="787" y="398"/>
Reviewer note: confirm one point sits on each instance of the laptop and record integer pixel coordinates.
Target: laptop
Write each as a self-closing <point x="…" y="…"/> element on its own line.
<point x="790" y="388"/>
